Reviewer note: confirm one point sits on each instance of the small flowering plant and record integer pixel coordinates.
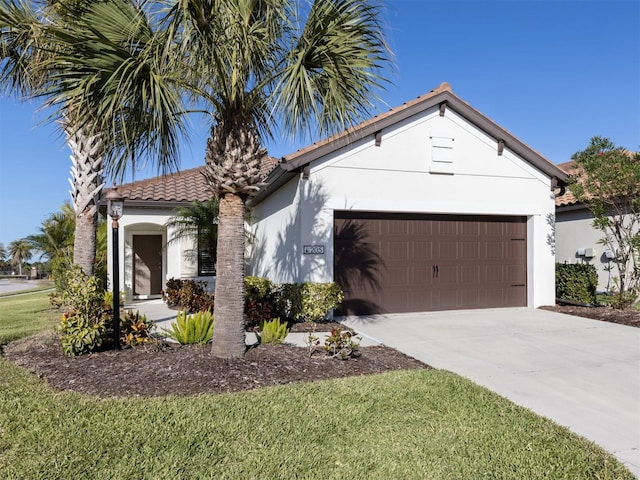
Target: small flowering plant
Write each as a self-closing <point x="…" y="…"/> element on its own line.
<point x="342" y="343"/>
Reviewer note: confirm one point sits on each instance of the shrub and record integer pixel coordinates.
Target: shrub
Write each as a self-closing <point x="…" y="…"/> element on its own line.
<point x="341" y="343"/>
<point x="318" y="299"/>
<point x="135" y="329"/>
<point x="289" y="301"/>
<point x="80" y="334"/>
<point x="171" y="292"/>
<point x="188" y="329"/>
<point x="82" y="328"/>
<point x="260" y="298"/>
<point x="576" y="282"/>
<point x="272" y="331"/>
<point x="188" y="294"/>
<point x="60" y="266"/>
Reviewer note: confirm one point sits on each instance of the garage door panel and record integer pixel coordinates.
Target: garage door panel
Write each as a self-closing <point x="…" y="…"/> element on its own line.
<point x="469" y="250"/>
<point x="447" y="251"/>
<point x="431" y="262"/>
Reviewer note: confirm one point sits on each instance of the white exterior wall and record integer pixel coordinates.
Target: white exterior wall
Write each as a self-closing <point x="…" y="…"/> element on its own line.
<point x="574" y="231"/>
<point x="145" y="221"/>
<point x="395" y="177"/>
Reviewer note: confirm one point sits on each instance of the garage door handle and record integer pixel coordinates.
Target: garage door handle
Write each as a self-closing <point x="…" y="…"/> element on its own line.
<point x="435" y="271"/>
<point x="518" y="285"/>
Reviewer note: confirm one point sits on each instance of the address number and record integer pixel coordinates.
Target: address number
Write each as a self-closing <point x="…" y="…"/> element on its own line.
<point x="313" y="250"/>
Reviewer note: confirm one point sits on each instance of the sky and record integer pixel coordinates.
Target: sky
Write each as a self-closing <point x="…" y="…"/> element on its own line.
<point x="554" y="73"/>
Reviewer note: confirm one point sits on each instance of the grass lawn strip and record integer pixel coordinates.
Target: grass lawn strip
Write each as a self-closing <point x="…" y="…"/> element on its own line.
<point x="411" y="424"/>
<point x="423" y="424"/>
<point x="25" y="314"/>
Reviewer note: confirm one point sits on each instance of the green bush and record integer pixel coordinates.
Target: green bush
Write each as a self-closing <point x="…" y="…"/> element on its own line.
<point x="273" y="331"/>
<point x="342" y="343"/>
<point x="260" y="299"/>
<point x="289" y="301"/>
<point x="292" y="301"/>
<point x="135" y="329"/>
<point x="189" y="329"/>
<point x="576" y="282"/>
<point x="80" y="334"/>
<point x="318" y="299"/>
<point x="83" y="325"/>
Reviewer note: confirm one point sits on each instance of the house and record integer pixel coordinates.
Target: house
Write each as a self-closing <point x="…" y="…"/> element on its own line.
<point x="429" y="206"/>
<point x="577" y="241"/>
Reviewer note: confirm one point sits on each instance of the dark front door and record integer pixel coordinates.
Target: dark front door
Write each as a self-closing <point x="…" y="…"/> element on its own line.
<point x="147" y="264"/>
<point x="392" y="263"/>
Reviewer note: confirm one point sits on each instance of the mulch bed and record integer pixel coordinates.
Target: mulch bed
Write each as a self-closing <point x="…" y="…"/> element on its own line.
<point x="148" y="371"/>
<point x="172" y="369"/>
<point x="627" y="317"/>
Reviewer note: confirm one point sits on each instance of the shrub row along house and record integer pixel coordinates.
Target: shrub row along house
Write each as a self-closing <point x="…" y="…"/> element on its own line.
<point x="429" y="206"/>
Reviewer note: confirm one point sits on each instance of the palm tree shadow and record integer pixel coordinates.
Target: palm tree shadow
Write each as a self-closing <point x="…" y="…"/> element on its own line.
<point x="357" y="269"/>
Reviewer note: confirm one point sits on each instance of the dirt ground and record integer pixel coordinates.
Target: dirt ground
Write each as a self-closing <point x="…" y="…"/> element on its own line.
<point x="172" y="369"/>
<point x="606" y="314"/>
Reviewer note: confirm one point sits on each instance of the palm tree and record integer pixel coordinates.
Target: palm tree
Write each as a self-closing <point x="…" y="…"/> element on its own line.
<point x="255" y="67"/>
<point x="20" y="251"/>
<point x="56" y="235"/>
<point x="198" y="222"/>
<point x="29" y="56"/>
<point x="26" y="49"/>
<point x="3" y="252"/>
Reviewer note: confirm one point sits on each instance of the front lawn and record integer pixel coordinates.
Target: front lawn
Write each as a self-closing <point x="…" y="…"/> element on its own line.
<point x="23" y="314"/>
<point x="422" y="424"/>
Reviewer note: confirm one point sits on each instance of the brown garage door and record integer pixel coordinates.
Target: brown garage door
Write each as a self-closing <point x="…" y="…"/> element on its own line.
<point x="392" y="263"/>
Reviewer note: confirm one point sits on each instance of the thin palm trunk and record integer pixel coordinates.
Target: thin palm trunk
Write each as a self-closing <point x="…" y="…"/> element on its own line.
<point x="228" y="335"/>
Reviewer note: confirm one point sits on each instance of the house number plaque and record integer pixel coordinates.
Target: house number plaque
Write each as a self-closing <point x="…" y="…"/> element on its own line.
<point x="313" y="249"/>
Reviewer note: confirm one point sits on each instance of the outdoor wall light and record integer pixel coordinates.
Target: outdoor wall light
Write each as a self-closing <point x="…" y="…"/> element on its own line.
<point x="115" y="209"/>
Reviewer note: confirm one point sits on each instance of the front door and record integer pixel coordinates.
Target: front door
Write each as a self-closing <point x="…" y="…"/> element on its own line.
<point x="147" y="265"/>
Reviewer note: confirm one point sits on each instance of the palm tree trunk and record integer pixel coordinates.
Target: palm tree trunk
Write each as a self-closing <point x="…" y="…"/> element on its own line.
<point x="87" y="183"/>
<point x="228" y="334"/>
<point x="84" y="243"/>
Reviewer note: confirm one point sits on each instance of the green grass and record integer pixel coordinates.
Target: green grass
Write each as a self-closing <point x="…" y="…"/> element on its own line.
<point x="421" y="424"/>
<point x="24" y="315"/>
<point x="411" y="424"/>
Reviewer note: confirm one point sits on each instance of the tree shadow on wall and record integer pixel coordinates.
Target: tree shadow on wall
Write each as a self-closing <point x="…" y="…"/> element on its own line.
<point x="357" y="270"/>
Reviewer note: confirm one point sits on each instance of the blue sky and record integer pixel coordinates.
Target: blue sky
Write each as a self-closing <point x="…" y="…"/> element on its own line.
<point x="553" y="73"/>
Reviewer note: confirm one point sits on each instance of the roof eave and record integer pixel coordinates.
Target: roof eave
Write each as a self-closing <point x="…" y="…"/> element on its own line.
<point x="298" y="160"/>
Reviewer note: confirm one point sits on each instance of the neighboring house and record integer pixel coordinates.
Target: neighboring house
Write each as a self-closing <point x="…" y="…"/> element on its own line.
<point x="577" y="241"/>
<point x="429" y="206"/>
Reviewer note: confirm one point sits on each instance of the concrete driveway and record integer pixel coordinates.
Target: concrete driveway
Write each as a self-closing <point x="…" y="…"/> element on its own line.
<point x="583" y="374"/>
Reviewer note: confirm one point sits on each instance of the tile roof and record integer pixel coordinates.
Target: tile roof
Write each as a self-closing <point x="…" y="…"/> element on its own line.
<point x="571" y="168"/>
<point x="183" y="186"/>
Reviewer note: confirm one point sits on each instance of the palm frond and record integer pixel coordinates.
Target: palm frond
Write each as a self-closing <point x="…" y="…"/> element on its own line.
<point x="332" y="74"/>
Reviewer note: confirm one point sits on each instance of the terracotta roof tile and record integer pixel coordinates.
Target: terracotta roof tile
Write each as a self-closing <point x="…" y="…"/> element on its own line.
<point x="183" y="186"/>
<point x="571" y="168"/>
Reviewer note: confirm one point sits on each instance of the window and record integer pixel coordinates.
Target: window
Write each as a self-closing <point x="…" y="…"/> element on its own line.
<point x="207" y="248"/>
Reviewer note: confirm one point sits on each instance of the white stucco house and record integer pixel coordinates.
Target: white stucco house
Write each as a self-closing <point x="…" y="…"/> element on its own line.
<point x="429" y="206"/>
<point x="577" y="241"/>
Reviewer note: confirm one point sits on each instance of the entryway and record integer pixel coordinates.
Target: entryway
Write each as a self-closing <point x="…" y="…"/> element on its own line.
<point x="147" y="265"/>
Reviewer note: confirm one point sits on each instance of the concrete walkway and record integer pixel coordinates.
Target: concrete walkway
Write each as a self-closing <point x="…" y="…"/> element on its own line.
<point x="583" y="374"/>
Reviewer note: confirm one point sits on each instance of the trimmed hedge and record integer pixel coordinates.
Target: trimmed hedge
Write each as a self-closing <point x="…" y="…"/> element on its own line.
<point x="576" y="282"/>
